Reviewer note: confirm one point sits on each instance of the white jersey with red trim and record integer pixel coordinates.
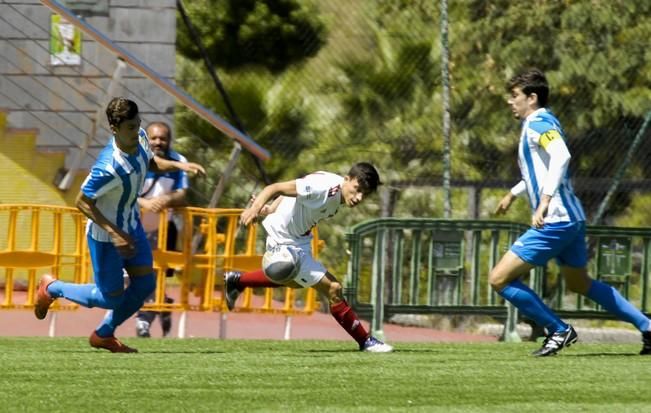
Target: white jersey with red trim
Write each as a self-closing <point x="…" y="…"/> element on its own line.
<point x="318" y="197"/>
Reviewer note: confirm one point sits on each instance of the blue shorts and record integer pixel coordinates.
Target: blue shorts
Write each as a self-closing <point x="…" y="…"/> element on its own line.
<point x="108" y="264"/>
<point x="564" y="241"/>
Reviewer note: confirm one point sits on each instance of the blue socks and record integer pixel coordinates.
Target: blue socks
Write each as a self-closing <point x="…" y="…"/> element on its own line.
<point x="609" y="298"/>
<point x="87" y="295"/>
<point x="603" y="294"/>
<point x="123" y="305"/>
<point x="139" y="289"/>
<point x="532" y="306"/>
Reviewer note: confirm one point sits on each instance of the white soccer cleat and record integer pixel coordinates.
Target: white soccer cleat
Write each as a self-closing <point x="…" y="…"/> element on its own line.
<point x="373" y="345"/>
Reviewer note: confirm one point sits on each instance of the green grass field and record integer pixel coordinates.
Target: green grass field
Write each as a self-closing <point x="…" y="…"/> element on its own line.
<point x="64" y="374"/>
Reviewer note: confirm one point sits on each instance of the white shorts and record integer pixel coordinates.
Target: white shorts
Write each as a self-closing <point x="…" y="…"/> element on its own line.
<point x="310" y="271"/>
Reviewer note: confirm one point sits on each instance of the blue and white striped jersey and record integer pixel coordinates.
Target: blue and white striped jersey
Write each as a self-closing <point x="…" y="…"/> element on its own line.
<point x="538" y="130"/>
<point x="114" y="182"/>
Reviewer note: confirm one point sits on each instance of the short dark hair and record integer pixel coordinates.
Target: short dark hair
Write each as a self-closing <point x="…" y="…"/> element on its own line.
<point x="120" y="109"/>
<point x="161" y="125"/>
<point x="367" y="176"/>
<point x="531" y="81"/>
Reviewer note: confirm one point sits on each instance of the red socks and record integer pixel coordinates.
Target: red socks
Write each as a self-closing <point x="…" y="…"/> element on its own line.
<point x="347" y="318"/>
<point x="255" y="279"/>
<point x="341" y="311"/>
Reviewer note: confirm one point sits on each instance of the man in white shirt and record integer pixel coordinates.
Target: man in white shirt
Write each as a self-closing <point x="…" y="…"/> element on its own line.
<point x="288" y="258"/>
<point x="161" y="191"/>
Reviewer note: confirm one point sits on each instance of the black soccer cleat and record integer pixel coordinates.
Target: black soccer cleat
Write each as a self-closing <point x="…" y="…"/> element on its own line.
<point x="231" y="288"/>
<point x="555" y="342"/>
<point x="646" y="343"/>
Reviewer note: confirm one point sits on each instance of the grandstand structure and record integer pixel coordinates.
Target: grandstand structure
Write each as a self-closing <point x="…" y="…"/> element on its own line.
<point x="60" y="104"/>
<point x="59" y="67"/>
<point x="125" y="48"/>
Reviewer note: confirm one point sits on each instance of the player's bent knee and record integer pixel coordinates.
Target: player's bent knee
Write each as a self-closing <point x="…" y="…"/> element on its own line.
<point x="149" y="285"/>
<point x="580" y="286"/>
<point x="336" y="292"/>
<point x="496" y="280"/>
<point x="139" y="271"/>
<point x="144" y="285"/>
<point x="114" y="299"/>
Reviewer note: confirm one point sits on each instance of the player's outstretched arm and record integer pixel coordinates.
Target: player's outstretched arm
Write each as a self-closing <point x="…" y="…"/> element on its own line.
<point x="267" y="209"/>
<point x="159" y="164"/>
<point x="252" y="212"/>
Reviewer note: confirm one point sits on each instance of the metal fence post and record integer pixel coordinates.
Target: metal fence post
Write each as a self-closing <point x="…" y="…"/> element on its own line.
<point x="510" y="333"/>
<point x="377" y="287"/>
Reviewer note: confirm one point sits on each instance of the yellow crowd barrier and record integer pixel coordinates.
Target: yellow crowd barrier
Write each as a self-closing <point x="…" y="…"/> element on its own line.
<point x="213" y="242"/>
<point x="40" y="239"/>
<point x="47" y="239"/>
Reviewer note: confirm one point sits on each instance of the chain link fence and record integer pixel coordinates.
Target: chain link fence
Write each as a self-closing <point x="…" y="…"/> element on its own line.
<point x="369" y="87"/>
<point x="374" y="92"/>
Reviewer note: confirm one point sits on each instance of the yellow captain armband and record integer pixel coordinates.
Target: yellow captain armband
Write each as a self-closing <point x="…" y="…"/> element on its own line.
<point x="549" y="136"/>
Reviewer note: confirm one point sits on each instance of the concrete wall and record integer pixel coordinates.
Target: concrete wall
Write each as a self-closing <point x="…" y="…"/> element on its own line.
<point x="62" y="101"/>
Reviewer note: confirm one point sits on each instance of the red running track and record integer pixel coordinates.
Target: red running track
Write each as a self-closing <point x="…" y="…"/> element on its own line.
<point x="318" y="326"/>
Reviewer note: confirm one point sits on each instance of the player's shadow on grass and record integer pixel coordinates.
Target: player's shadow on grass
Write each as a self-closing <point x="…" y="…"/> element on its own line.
<point x="395" y="350"/>
<point x="183" y="352"/>
<point x="602" y="354"/>
<point x="142" y="352"/>
<point x="420" y="350"/>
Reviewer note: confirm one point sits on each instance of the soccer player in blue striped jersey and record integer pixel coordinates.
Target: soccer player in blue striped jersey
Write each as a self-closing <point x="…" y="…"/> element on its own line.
<point x="116" y="239"/>
<point x="557" y="224"/>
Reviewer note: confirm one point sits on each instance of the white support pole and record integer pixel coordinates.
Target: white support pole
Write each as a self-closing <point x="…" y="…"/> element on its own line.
<point x="510" y="333"/>
<point x="377" y="285"/>
<point x="222" y="326"/>
<point x="182" y="326"/>
<point x="52" y="329"/>
<point x="288" y="328"/>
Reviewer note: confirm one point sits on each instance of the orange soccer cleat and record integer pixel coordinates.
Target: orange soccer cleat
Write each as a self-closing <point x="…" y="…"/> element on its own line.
<point x="43" y="298"/>
<point x="111" y="344"/>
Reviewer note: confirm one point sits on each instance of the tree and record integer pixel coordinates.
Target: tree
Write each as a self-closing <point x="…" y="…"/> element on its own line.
<point x="595" y="56"/>
<point x="267" y="37"/>
<point x="274" y="34"/>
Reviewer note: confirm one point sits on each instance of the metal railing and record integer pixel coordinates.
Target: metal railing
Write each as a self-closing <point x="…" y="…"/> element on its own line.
<point x="433" y="266"/>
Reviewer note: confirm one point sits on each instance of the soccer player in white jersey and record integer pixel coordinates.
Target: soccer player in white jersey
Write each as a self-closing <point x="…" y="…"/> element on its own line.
<point x="557" y="224"/>
<point x="288" y="258"/>
<point x="116" y="239"/>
